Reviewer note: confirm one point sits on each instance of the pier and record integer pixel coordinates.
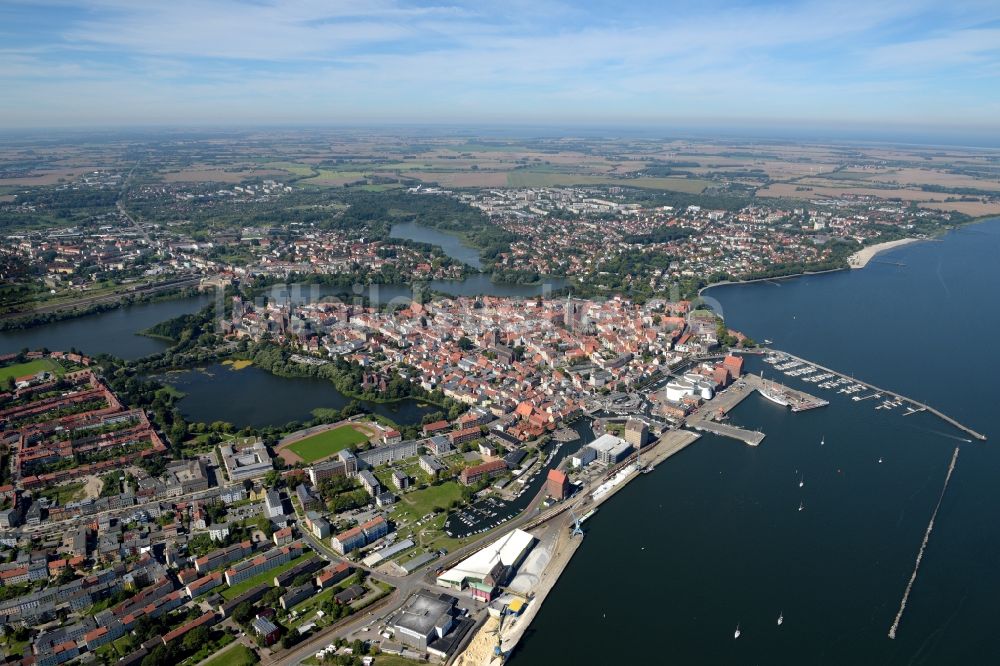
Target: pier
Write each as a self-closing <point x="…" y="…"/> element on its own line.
<point x="944" y="417"/>
<point x="706" y="418"/>
<point x="798" y="401"/>
<point x="749" y="437"/>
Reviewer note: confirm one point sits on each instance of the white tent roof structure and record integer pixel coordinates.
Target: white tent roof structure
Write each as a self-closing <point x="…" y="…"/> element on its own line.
<point x="506" y="550"/>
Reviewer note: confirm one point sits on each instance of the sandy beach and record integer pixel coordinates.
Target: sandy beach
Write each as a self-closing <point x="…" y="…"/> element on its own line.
<point x="861" y="258"/>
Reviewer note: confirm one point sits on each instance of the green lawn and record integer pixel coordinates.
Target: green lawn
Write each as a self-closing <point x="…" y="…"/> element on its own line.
<point x="266" y="577"/>
<point x="327" y="443"/>
<point x="30" y="368"/>
<point x="419" y="503"/>
<point x="66" y="493"/>
<point x="234" y="656"/>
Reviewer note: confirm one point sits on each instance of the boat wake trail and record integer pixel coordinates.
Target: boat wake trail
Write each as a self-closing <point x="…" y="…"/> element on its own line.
<point x="923" y="546"/>
<point x="949" y="436"/>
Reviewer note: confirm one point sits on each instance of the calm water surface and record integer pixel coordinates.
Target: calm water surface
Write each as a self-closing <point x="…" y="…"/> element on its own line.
<point x="714" y="537"/>
<point x="255" y="397"/>
<point x="112" y="332"/>
<point x="450" y="243"/>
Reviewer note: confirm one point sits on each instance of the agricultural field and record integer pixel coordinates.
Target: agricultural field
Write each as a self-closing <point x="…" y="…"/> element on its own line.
<point x="531" y="178"/>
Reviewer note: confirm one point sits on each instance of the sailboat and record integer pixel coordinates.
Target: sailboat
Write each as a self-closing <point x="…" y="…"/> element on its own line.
<point x="781" y="619"/>
<point x="737" y="634"/>
<point x="801" y="481"/>
<point x="800" y="506"/>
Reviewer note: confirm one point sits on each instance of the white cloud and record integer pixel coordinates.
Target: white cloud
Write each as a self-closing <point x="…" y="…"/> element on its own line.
<point x="306" y="60"/>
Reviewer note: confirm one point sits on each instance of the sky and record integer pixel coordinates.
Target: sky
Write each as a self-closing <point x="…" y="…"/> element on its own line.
<point x="113" y="63"/>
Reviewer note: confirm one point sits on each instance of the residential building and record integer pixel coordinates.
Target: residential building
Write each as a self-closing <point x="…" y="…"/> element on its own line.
<point x="348" y="540"/>
<point x="431" y="465"/>
<point x="383" y="455"/>
<point x="267" y="630"/>
<point x="272" y="504"/>
<point x="370" y="483"/>
<point x="400" y="480"/>
<point x="471" y="475"/>
<point x="636" y="433"/>
<point x="247" y="569"/>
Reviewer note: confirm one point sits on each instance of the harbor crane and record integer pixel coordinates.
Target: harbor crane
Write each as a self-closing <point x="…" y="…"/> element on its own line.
<point x="498" y="650"/>
<point x="576" y="529"/>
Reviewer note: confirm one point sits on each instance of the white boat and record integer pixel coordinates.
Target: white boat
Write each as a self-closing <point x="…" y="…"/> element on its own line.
<point x="822" y="440"/>
<point x="774" y="397"/>
<point x="781" y="619"/>
<point x="801" y="482"/>
<point x="800" y="506"/>
<point x="737" y="632"/>
<point x="879" y="461"/>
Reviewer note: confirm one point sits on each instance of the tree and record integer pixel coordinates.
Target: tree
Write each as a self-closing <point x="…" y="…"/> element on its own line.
<point x="243" y="613"/>
<point x="272" y="479"/>
<point x="196" y="639"/>
<point x="272" y="596"/>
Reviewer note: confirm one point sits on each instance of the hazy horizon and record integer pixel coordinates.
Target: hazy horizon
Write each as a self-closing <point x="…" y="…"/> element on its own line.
<point x="820" y="67"/>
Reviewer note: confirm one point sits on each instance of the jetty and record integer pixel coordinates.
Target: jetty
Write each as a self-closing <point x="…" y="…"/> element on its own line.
<point x="916" y="404"/>
<point x="798" y="401"/>
<point x="706" y="418"/>
<point x="748" y="437"/>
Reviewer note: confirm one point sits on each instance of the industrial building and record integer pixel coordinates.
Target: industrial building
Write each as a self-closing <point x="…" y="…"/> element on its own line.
<point x="487" y="569"/>
<point x="424" y="618"/>
<point x="610" y="450"/>
<point x="557" y="485"/>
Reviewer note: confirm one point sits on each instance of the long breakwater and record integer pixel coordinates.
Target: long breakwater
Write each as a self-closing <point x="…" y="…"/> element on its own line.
<point x="923" y="547"/>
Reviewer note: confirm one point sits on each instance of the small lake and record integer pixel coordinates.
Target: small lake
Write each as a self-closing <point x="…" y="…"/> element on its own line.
<point x="112" y="332"/>
<point x="450" y="243"/>
<point x="255" y="397"/>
